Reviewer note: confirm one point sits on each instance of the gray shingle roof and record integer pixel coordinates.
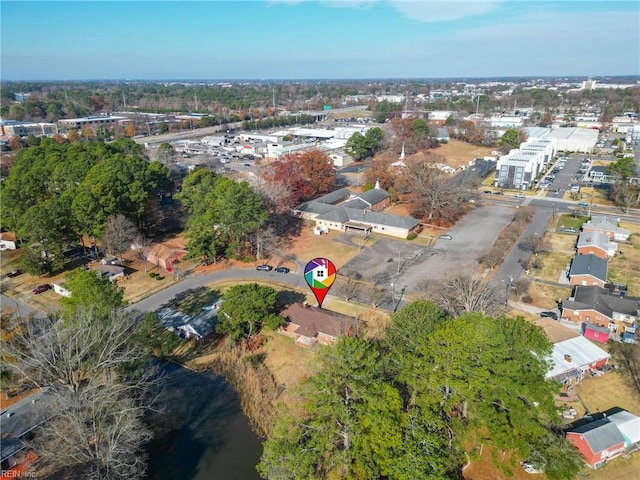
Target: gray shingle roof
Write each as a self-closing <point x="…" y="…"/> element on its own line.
<point x="314" y="206"/>
<point x="603" y="301"/>
<point x="589" y="265"/>
<point x="600" y="434"/>
<point x="373" y="196"/>
<point x="357" y="203"/>
<point x="595" y="238"/>
<point x="335" y="196"/>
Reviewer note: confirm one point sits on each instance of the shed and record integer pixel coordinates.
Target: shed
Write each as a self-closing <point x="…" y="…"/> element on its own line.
<point x="596" y="333"/>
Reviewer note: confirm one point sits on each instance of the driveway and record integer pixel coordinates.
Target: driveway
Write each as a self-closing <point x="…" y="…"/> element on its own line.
<point x="406" y="264"/>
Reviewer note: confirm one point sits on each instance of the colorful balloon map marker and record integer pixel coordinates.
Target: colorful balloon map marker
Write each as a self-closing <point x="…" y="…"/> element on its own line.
<point x="320" y="274"/>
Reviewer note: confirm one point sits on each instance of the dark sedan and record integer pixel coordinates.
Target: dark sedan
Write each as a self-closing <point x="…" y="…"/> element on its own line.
<point x="41" y="288"/>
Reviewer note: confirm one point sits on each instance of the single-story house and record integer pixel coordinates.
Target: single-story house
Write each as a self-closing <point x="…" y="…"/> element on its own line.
<point x="21" y="418"/>
<point x="111" y="272"/>
<point x="599" y="306"/>
<point x="598" y="441"/>
<point x="628" y="424"/>
<point x="166" y="254"/>
<point x="199" y="326"/>
<point x="588" y="270"/>
<point x="554" y="330"/>
<point x="596" y="332"/>
<point x="596" y="243"/>
<point x="309" y="325"/>
<point x="572" y="358"/>
<point x="8" y="241"/>
<point x="362" y="212"/>
<point x="608" y="226"/>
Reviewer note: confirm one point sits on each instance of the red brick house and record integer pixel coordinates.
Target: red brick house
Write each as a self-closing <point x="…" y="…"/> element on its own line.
<point x="166" y="254"/>
<point x="310" y="325"/>
<point x="607" y="226"/>
<point x="588" y="270"/>
<point x="596" y="243"/>
<point x="618" y="313"/>
<point x="598" y="441"/>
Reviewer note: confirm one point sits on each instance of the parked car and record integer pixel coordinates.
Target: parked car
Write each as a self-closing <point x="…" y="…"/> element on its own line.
<point x="498" y="193"/>
<point x="282" y="270"/>
<point x="583" y="204"/>
<point x="446" y="236"/>
<point x="41" y="288"/>
<point x="520" y="195"/>
<point x="549" y="314"/>
<point x="14" y="273"/>
<point x="488" y="192"/>
<point x="568" y="230"/>
<point x="264" y="268"/>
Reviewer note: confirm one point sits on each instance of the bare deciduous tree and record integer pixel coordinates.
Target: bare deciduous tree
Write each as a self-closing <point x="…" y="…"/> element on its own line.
<point x="349" y="285"/>
<point x="119" y="234"/>
<point x="469" y="293"/>
<point x="434" y="194"/>
<point x="492" y="257"/>
<point x="97" y="430"/>
<point x="374" y="292"/>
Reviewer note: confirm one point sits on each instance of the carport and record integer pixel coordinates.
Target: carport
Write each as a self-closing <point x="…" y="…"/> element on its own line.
<point x="361" y="227"/>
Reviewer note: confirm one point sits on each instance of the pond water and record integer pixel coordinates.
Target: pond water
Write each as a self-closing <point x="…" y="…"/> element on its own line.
<point x="202" y="433"/>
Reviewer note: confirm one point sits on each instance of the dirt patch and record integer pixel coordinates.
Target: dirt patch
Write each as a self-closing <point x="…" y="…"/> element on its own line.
<point x="482" y="466"/>
<point x="458" y="153"/>
<point x="308" y="246"/>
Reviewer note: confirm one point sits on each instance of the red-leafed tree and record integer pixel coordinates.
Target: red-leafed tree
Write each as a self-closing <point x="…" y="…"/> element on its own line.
<point x="304" y="175"/>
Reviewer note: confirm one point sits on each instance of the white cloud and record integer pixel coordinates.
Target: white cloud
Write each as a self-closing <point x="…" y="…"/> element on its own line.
<point x="440" y="11"/>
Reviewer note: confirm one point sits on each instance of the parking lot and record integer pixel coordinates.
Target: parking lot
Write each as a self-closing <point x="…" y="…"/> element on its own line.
<point x="411" y="265"/>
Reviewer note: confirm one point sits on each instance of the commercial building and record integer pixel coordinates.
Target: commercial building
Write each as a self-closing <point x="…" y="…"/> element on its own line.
<point x="107" y="121"/>
<point x="24" y="129"/>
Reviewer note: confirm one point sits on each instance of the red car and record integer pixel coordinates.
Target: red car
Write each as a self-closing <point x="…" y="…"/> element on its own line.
<point x="14" y="273"/>
<point x="41" y="288"/>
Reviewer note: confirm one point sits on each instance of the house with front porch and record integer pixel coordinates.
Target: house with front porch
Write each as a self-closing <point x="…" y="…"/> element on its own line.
<point x="599" y="306"/>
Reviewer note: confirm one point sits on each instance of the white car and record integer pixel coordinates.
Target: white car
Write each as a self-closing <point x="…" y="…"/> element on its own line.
<point x="520" y="195"/>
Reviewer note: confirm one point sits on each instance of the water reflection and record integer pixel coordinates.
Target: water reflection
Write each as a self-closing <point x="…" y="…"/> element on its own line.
<point x="202" y="433"/>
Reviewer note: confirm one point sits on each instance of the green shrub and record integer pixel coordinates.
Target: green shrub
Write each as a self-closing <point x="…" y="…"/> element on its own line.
<point x="153" y="274"/>
<point x="412" y="236"/>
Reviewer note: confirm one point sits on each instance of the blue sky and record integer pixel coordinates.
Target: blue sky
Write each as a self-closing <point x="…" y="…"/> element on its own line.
<point x="305" y="39"/>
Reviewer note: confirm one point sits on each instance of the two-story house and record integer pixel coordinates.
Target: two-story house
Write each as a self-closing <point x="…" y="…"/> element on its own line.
<point x="599" y="306"/>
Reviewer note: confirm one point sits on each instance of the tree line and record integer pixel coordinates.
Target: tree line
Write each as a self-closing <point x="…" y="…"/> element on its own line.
<point x="56" y="193"/>
<point x="420" y="401"/>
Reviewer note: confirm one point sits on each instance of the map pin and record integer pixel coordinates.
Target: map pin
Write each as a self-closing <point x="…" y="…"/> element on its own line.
<point x="320" y="274"/>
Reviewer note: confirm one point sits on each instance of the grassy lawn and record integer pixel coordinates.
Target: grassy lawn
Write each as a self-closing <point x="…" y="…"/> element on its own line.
<point x="458" y="153"/>
<point x="625" y="268"/>
<point x="546" y="296"/>
<point x="571" y="221"/>
<point x="553" y="264"/>
<point x="308" y="246"/>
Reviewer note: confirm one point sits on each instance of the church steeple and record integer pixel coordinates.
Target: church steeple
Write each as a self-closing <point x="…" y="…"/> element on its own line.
<point x="402" y="152"/>
<point x="377" y="187"/>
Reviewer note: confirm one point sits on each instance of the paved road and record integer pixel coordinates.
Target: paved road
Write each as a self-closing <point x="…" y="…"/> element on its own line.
<point x="21" y="308"/>
<point x="154" y="301"/>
